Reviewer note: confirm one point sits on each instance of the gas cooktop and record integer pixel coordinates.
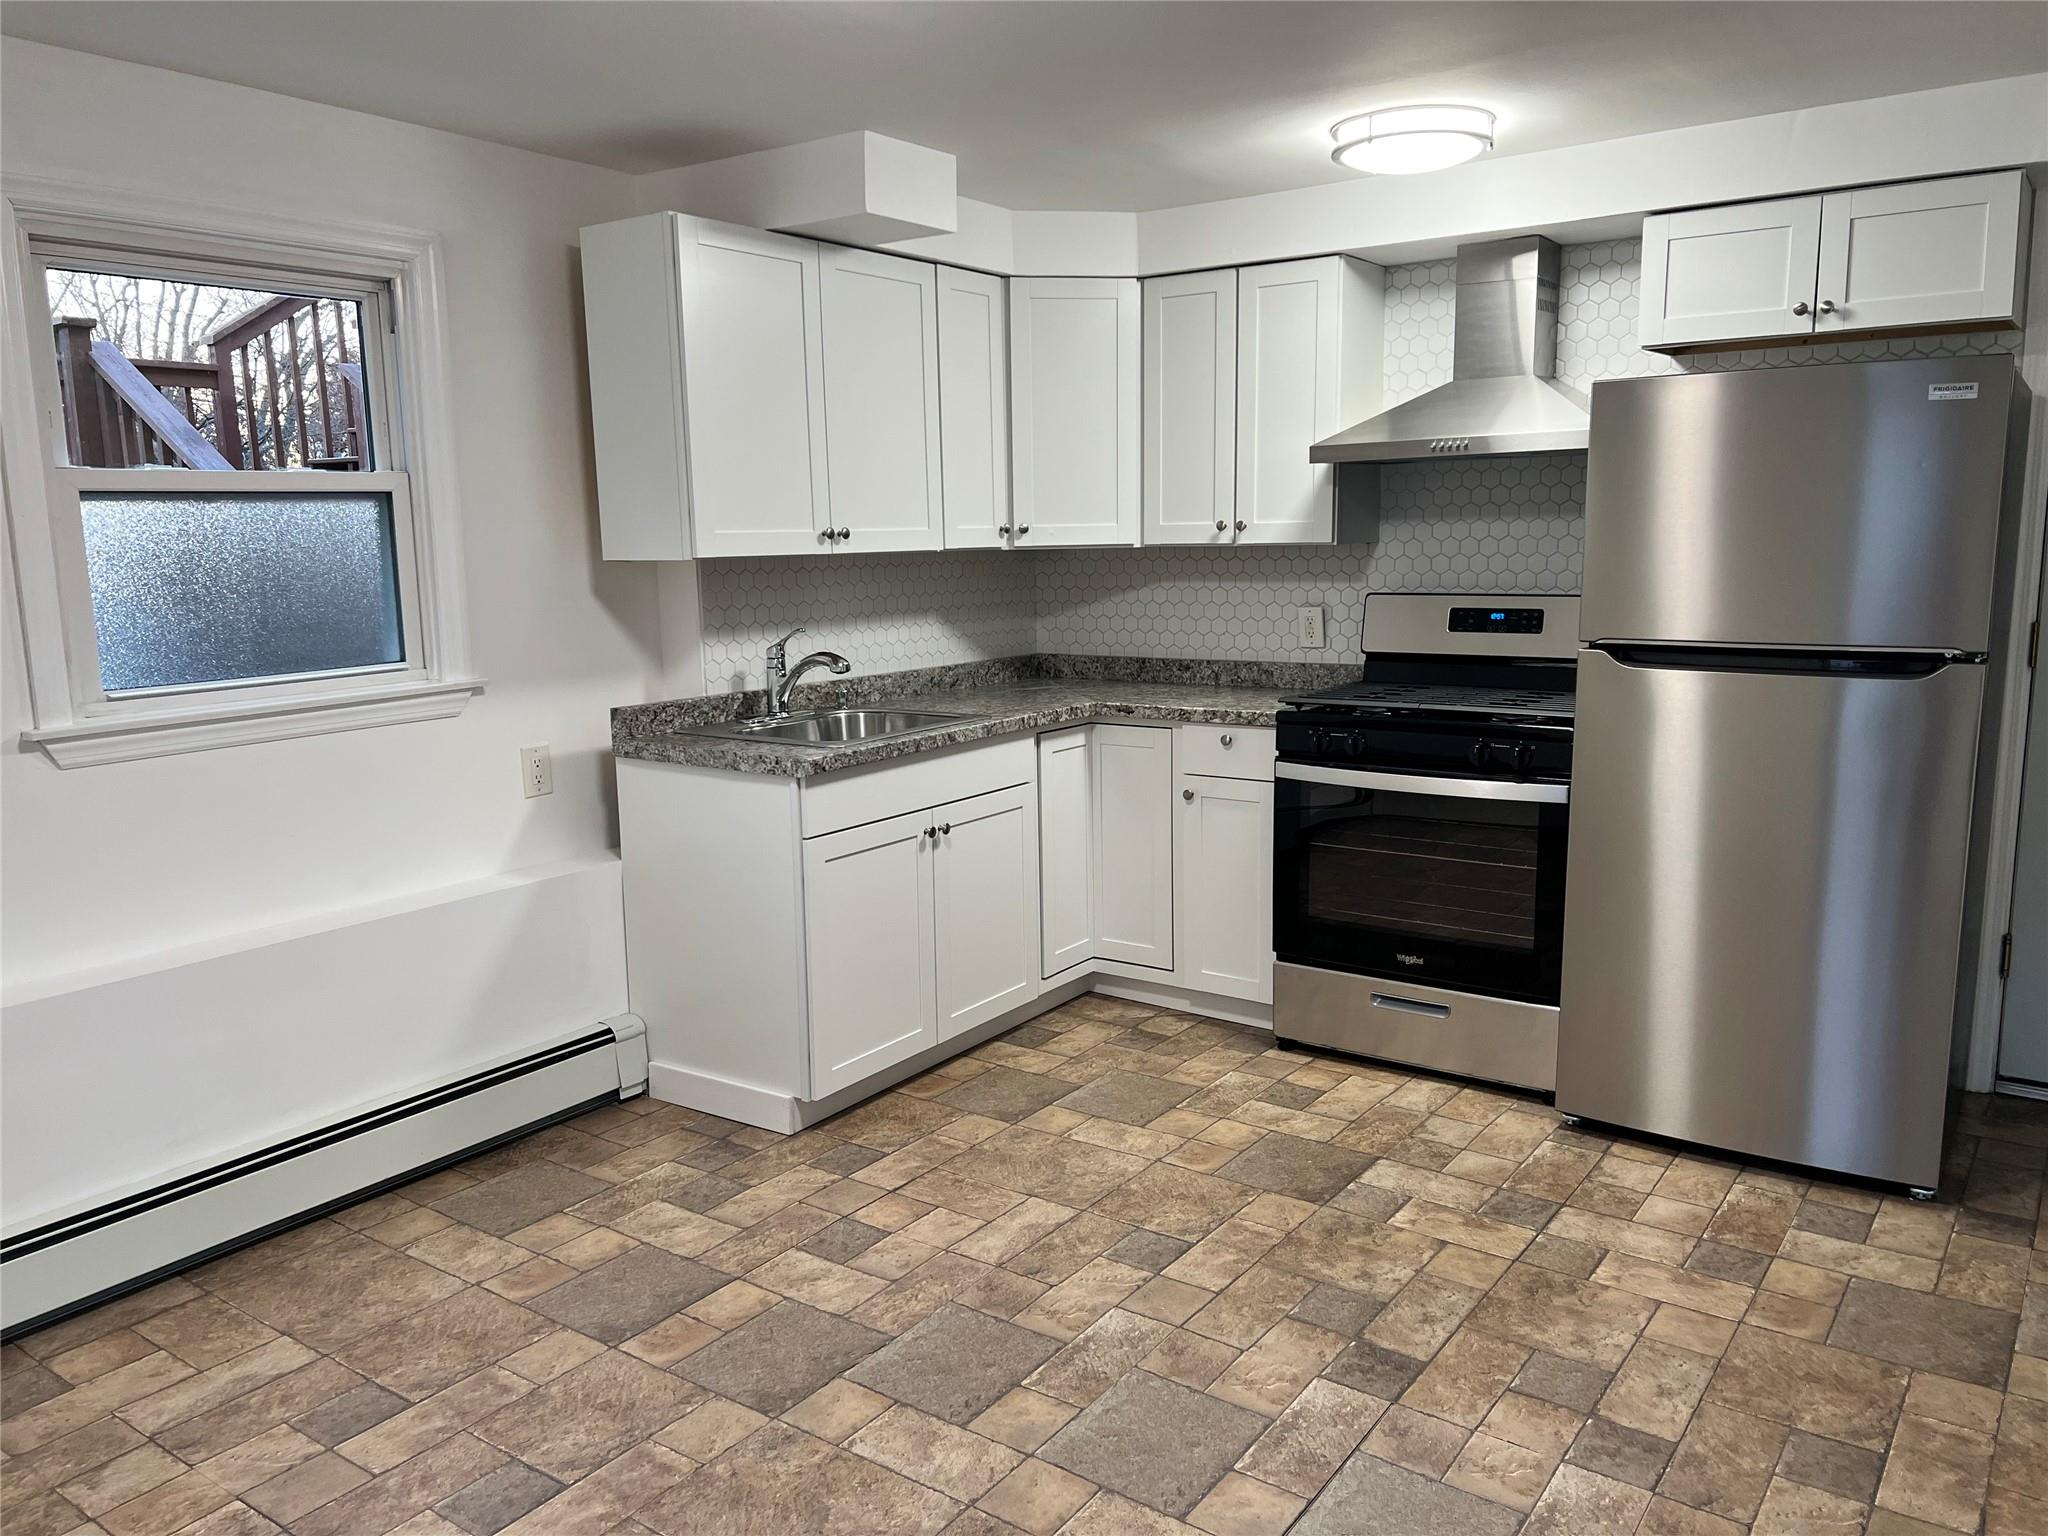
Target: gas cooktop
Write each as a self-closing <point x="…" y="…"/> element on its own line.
<point x="1443" y="698"/>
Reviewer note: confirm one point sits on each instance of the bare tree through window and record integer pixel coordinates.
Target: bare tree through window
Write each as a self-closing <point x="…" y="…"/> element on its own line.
<point x="195" y="375"/>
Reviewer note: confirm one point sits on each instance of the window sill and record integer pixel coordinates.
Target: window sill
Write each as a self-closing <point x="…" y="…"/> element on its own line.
<point x="222" y="723"/>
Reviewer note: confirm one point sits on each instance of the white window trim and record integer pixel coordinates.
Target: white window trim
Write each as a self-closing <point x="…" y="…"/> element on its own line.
<point x="74" y="724"/>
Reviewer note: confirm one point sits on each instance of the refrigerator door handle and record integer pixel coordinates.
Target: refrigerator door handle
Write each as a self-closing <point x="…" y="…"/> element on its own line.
<point x="1789" y="661"/>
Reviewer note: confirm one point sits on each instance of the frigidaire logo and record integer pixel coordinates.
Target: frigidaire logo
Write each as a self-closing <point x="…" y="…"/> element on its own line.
<point x="1409" y="959"/>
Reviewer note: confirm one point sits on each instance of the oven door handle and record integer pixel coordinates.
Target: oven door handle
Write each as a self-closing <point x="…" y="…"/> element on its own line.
<point x="1423" y="784"/>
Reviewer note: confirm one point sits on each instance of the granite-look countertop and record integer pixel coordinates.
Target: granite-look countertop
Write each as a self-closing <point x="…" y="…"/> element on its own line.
<point x="1009" y="697"/>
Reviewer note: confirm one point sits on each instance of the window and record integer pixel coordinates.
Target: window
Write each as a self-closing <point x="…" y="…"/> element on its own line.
<point x="227" y="502"/>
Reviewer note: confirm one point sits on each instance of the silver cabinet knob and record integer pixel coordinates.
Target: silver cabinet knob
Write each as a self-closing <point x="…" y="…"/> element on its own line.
<point x="1802" y="308"/>
<point x="1226" y="738"/>
<point x="828" y="534"/>
<point x="1827" y="306"/>
<point x="945" y="829"/>
<point x="1241" y="525"/>
<point x="1221" y="525"/>
<point x="1022" y="529"/>
<point x="1004" y="530"/>
<point x="845" y="533"/>
<point x="1187" y="794"/>
<point x="931" y="831"/>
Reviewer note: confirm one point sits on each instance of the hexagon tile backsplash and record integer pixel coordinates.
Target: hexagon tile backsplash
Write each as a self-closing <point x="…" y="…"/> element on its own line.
<point x="1481" y="525"/>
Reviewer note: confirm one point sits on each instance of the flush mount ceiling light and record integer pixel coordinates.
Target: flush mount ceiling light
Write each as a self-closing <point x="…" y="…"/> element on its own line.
<point x="1400" y="141"/>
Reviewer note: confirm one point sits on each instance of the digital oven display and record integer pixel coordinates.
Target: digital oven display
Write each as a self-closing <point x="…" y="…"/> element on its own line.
<point x="1496" y="621"/>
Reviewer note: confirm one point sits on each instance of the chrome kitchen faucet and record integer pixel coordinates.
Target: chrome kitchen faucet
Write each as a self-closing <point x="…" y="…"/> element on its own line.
<point x="783" y="678"/>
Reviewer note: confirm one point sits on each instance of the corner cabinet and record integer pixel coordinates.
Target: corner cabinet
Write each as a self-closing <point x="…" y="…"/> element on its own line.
<point x="1074" y="387"/>
<point x="1947" y="254"/>
<point x="757" y="394"/>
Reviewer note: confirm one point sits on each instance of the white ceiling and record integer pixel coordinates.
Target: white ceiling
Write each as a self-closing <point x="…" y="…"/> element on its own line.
<point x="1076" y="105"/>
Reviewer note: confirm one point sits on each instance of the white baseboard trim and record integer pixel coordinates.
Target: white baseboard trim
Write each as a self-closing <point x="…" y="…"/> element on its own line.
<point x="60" y="1264"/>
<point x="1232" y="1010"/>
<point x="745" y="1102"/>
<point x="772" y="1110"/>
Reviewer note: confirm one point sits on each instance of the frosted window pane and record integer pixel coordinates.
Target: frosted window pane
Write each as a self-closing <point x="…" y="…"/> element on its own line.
<point x="212" y="588"/>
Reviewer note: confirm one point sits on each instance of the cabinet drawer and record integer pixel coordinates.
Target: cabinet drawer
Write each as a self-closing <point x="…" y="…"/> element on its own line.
<point x="832" y="802"/>
<point x="1227" y="751"/>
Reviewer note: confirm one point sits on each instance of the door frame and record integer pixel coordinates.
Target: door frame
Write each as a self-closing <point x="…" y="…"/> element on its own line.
<point x="1981" y="1006"/>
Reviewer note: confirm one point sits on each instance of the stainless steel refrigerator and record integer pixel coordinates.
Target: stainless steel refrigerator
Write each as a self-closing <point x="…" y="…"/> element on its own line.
<point x="1788" y="602"/>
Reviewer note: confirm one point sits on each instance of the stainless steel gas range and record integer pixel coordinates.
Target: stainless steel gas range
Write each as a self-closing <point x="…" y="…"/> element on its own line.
<point x="1420" y="818"/>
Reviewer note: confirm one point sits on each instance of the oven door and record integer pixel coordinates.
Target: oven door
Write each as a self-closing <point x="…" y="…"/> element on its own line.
<point x="1446" y="882"/>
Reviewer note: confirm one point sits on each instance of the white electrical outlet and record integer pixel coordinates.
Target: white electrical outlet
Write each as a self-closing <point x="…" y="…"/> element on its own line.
<point x="1308" y="628"/>
<point x="537" y="770"/>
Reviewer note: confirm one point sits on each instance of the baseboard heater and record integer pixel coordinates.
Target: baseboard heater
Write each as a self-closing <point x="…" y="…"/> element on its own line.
<point x="77" y="1261"/>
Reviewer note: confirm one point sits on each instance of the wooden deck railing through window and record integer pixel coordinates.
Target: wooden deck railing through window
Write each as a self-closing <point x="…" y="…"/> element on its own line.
<point x="284" y="391"/>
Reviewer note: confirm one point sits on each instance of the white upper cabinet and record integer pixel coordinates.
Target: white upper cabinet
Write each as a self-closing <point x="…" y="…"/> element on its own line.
<point x="1907" y="256"/>
<point x="974" y="408"/>
<point x="1190" y="408"/>
<point x="1074" y="411"/>
<point x="707" y="389"/>
<point x="1728" y="274"/>
<point x="1922" y="253"/>
<point x="881" y="328"/>
<point x="1309" y="339"/>
<point x="753" y="390"/>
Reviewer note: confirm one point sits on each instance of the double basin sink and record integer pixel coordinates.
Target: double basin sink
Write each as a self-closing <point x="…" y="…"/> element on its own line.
<point x="834" y="727"/>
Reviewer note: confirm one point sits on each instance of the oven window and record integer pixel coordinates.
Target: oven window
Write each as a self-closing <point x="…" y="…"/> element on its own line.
<point x="1427" y="865"/>
<point x="1460" y="892"/>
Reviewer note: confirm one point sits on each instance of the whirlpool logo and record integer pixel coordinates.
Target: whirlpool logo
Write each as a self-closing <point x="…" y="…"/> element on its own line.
<point x="1408" y="959"/>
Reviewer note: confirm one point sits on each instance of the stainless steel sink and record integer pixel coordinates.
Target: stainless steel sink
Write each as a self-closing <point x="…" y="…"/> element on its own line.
<point x="833" y="727"/>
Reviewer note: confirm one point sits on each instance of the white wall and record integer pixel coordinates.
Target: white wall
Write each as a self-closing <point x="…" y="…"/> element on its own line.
<point x="114" y="864"/>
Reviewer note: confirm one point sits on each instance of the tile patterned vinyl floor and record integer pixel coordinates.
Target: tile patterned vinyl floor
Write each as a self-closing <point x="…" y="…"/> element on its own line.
<point x="1120" y="1272"/>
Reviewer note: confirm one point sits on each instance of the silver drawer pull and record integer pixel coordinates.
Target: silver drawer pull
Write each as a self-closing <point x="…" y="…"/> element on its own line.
<point x="1410" y="1005"/>
<point x="1225" y="738"/>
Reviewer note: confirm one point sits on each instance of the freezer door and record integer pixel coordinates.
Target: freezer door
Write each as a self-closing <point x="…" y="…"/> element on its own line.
<point x="1763" y="901"/>
<point x="1838" y="506"/>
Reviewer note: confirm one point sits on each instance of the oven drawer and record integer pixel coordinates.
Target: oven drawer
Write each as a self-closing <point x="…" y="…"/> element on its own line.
<point x="1455" y="1032"/>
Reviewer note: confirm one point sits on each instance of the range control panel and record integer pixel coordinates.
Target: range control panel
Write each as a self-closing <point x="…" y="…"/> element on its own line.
<point x="1496" y="621"/>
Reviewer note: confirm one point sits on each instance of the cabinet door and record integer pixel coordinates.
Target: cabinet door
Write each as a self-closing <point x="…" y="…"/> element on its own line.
<point x="974" y="408"/>
<point x="1066" y="847"/>
<point x="1922" y="253"/>
<point x="1290" y="393"/>
<point x="754" y="390"/>
<point x="1134" y="844"/>
<point x="985" y="893"/>
<point x="868" y="932"/>
<point x="1729" y="274"/>
<point x="1074" y="410"/>
<point x="1224" y="864"/>
<point x="1190" y="408"/>
<point x="881" y="400"/>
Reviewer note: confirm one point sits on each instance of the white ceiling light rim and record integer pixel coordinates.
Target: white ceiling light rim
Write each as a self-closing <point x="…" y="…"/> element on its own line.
<point x="1457" y="131"/>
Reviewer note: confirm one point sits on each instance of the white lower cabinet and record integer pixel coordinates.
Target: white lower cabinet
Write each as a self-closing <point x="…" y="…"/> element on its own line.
<point x="918" y="927"/>
<point x="868" y="923"/>
<point x="1134" y="844"/>
<point x="985" y="906"/>
<point x="1223" y="867"/>
<point x="1066" y="844"/>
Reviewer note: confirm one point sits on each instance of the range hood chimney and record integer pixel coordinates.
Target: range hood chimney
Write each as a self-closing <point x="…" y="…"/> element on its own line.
<point x="1501" y="398"/>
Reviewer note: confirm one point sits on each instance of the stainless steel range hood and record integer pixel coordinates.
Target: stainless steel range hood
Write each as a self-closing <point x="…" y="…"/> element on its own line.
<point x="1501" y="398"/>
